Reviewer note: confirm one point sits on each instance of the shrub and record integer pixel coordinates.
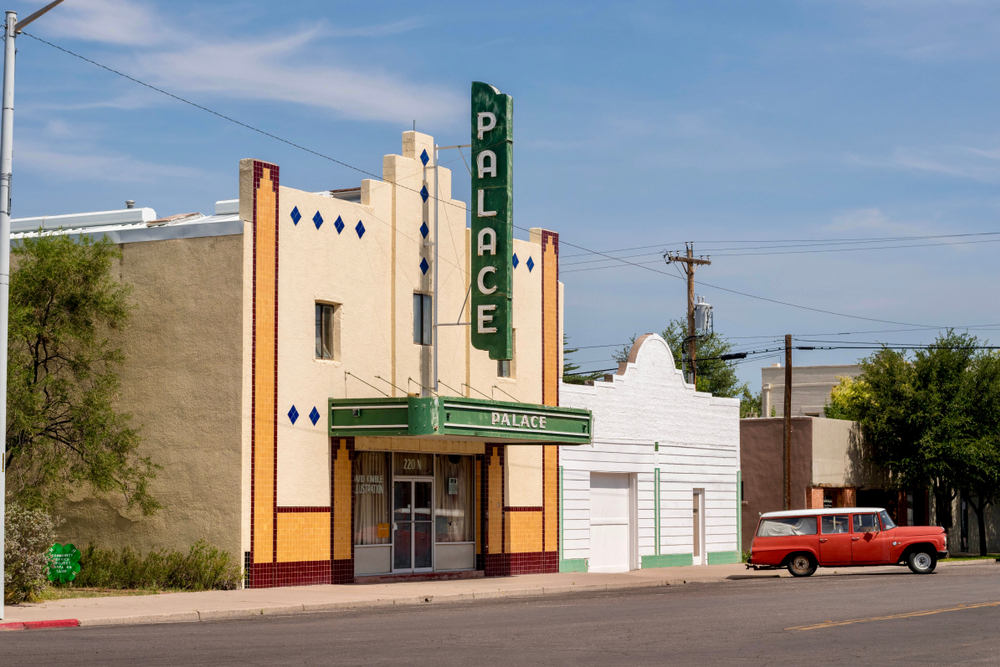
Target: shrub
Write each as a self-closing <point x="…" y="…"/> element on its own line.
<point x="28" y="536"/>
<point x="203" y="568"/>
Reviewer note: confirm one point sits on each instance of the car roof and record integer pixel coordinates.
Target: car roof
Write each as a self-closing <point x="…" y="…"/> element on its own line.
<point x="828" y="510"/>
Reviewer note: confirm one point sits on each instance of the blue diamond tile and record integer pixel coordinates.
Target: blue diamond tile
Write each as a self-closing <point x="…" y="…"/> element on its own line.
<point x="531" y="264"/>
<point x="314" y="415"/>
<point x="293" y="414"/>
<point x="318" y="220"/>
<point x="424" y="158"/>
<point x="424" y="230"/>
<point x="360" y="229"/>
<point x="339" y="225"/>
<point x="424" y="266"/>
<point x="296" y="216"/>
<point x="515" y="260"/>
<point x="423" y="193"/>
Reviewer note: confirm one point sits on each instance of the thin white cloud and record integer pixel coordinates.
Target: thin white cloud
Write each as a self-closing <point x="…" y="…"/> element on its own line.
<point x="120" y="22"/>
<point x="112" y="167"/>
<point x="277" y="70"/>
<point x="384" y="30"/>
<point x="871" y="220"/>
<point x="298" y="68"/>
<point x="976" y="164"/>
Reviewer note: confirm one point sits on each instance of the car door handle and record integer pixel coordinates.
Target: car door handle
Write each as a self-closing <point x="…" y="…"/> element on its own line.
<point x="822" y="539"/>
<point x="855" y="539"/>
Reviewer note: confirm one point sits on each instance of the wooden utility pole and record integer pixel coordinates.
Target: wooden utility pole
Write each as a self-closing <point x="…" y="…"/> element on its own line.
<point x="788" y="422"/>
<point x="690" y="263"/>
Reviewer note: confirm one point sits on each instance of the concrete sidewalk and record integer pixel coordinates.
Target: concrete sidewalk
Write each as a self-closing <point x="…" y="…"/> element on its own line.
<point x="214" y="605"/>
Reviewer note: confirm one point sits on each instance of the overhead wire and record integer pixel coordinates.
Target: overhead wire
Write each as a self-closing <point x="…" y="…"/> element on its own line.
<point x="377" y="177"/>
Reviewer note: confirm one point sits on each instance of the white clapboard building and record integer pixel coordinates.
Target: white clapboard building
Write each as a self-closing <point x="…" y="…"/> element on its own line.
<point x="660" y="485"/>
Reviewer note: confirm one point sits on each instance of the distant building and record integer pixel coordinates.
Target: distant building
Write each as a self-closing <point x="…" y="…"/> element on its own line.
<point x="811" y="386"/>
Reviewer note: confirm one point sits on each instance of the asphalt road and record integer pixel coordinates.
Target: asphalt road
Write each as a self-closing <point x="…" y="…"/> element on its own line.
<point x="951" y="617"/>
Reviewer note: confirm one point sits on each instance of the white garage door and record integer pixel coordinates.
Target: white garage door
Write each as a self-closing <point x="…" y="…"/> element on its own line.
<point x="609" y="529"/>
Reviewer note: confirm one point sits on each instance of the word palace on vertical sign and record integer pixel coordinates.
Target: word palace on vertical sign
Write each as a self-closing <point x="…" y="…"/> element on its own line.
<point x="492" y="220"/>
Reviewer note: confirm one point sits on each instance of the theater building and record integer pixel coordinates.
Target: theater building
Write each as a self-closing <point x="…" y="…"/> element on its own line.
<point x="280" y="364"/>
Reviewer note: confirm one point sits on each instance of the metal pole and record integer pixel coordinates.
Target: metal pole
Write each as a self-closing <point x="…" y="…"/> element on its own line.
<point x="692" y="338"/>
<point x="788" y="422"/>
<point x="434" y="305"/>
<point x="6" y="162"/>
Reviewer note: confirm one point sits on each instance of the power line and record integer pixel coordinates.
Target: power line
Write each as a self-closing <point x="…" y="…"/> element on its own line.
<point x="377" y="177"/>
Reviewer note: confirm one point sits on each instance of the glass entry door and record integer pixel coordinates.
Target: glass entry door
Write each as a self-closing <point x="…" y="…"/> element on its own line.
<point x="412" y="527"/>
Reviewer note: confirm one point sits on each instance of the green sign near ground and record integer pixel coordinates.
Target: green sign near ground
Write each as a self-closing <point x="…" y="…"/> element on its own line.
<point x="64" y="563"/>
<point x="492" y="220"/>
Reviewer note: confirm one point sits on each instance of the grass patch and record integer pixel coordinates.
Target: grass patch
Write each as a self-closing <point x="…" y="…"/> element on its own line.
<point x="961" y="558"/>
<point x="203" y="568"/>
<point x="70" y="592"/>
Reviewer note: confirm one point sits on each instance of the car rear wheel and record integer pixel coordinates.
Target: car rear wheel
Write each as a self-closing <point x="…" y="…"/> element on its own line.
<point x="922" y="562"/>
<point x="801" y="565"/>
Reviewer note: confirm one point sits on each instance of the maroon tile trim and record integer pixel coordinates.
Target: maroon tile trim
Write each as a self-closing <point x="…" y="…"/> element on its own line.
<point x="258" y="172"/>
<point x="538" y="562"/>
<point x="523" y="508"/>
<point x="301" y="510"/>
<point x="301" y="573"/>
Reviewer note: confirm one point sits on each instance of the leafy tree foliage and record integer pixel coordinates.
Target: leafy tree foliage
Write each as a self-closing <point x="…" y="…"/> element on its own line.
<point x="932" y="421"/>
<point x="62" y="425"/>
<point x="571" y="370"/>
<point x="714" y="375"/>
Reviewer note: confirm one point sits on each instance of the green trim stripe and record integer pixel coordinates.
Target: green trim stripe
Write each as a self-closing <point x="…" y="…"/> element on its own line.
<point x="667" y="560"/>
<point x="723" y="557"/>
<point x="656" y="506"/>
<point x="573" y="565"/>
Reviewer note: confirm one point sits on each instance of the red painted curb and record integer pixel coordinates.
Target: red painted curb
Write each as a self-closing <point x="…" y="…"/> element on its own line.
<point x="34" y="625"/>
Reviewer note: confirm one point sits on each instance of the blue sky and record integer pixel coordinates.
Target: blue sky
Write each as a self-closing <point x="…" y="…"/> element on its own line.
<point x="731" y="124"/>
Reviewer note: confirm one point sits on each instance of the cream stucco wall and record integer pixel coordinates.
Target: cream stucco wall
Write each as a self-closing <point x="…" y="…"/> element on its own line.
<point x="182" y="383"/>
<point x="371" y="279"/>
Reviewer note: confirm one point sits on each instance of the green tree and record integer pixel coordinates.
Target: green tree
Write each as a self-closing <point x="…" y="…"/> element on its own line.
<point x="63" y="428"/>
<point x="571" y="371"/>
<point x="715" y="376"/>
<point x="932" y="421"/>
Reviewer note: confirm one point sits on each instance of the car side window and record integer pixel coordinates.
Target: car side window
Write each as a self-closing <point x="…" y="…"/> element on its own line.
<point x="866" y="523"/>
<point x="836" y="523"/>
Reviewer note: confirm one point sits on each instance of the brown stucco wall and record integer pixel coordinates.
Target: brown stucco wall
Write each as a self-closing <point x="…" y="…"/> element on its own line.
<point x="762" y="463"/>
<point x="182" y="382"/>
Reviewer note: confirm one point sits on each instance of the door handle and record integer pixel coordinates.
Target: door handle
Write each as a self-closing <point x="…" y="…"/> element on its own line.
<point x="822" y="540"/>
<point x="855" y="539"/>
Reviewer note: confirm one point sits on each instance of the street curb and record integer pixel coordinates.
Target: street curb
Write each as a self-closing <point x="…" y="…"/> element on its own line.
<point x="38" y="625"/>
<point x="195" y="616"/>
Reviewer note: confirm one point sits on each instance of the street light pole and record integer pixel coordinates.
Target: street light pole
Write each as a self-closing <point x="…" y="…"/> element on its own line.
<point x="11" y="29"/>
<point x="6" y="161"/>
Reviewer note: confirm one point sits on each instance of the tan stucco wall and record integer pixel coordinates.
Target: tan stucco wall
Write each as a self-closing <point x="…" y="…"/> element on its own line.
<point x="182" y="382"/>
<point x="839" y="458"/>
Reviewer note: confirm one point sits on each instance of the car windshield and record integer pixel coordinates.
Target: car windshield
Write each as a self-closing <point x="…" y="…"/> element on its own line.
<point x="887" y="523"/>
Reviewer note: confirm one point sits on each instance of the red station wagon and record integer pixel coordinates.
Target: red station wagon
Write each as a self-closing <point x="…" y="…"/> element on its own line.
<point x="803" y="540"/>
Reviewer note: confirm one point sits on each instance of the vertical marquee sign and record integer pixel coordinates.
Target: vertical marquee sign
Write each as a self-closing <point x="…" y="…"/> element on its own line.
<point x="492" y="220"/>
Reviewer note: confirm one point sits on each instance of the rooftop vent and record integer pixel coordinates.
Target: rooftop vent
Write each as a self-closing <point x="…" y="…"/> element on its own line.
<point x="227" y="207"/>
<point x="347" y="194"/>
<point x="128" y="216"/>
<point x="129" y="203"/>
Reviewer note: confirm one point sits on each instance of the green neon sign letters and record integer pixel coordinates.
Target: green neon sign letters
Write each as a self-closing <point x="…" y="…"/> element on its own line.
<point x="492" y="220"/>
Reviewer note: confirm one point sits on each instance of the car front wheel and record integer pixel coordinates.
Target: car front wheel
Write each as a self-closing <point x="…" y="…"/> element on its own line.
<point x="921" y="562"/>
<point x="801" y="565"/>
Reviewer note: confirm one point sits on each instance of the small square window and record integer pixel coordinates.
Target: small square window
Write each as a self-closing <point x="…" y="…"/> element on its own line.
<point x="503" y="368"/>
<point x="325" y="340"/>
<point x="423" y="313"/>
